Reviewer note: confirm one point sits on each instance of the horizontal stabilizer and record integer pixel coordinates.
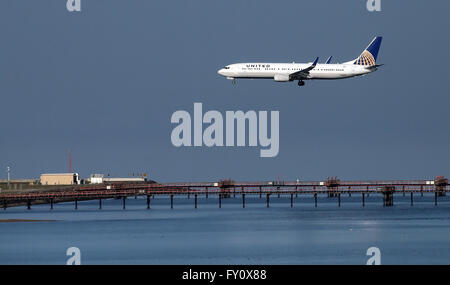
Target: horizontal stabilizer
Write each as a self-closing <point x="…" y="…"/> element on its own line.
<point x="374" y="66"/>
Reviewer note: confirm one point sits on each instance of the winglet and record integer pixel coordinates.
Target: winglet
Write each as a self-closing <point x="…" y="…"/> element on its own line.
<point x="328" y="60"/>
<point x="315" y="62"/>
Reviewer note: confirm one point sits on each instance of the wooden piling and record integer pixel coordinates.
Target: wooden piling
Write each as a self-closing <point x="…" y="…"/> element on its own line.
<point x="5" y="204"/>
<point x="292" y="200"/>
<point x="123" y="202"/>
<point x="51" y="203"/>
<point x="389" y="200"/>
<point x="148" y="202"/>
<point x="412" y="201"/>
<point x="171" y="201"/>
<point x="220" y="201"/>
<point x="388" y="196"/>
<point x="100" y="203"/>
<point x="363" y="200"/>
<point x="28" y="204"/>
<point x="315" y="200"/>
<point x="243" y="200"/>
<point x="339" y="199"/>
<point x="76" y="204"/>
<point x="195" y="196"/>
<point x="267" y="200"/>
<point x="435" y="198"/>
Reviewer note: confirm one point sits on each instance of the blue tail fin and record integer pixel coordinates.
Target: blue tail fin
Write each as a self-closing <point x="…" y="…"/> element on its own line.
<point x="370" y="54"/>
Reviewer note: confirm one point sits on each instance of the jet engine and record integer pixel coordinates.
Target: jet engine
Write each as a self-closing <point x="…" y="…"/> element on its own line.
<point x="281" y="77"/>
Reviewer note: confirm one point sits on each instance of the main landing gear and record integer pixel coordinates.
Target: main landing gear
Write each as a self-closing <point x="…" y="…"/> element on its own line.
<point x="301" y="83"/>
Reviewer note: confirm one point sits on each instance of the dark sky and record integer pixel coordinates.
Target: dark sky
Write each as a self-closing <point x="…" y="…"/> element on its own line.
<point x="105" y="82"/>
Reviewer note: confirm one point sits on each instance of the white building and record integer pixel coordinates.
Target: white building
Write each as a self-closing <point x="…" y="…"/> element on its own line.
<point x="96" y="179"/>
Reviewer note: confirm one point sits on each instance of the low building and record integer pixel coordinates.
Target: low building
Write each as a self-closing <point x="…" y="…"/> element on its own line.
<point x="124" y="180"/>
<point x="96" y="179"/>
<point x="20" y="181"/>
<point x="60" y="179"/>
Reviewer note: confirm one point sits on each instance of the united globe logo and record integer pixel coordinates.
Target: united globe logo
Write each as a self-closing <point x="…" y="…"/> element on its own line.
<point x="366" y="58"/>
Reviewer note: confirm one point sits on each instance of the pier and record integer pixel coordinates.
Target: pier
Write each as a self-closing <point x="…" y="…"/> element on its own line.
<point x="331" y="188"/>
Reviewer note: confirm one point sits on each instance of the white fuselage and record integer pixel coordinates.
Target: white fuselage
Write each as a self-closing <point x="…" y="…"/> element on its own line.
<point x="281" y="71"/>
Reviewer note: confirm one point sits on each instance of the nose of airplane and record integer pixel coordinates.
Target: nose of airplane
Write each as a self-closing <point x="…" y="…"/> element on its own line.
<point x="220" y="71"/>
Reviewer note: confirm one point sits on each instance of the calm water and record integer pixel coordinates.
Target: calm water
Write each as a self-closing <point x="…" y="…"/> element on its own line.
<point x="231" y="235"/>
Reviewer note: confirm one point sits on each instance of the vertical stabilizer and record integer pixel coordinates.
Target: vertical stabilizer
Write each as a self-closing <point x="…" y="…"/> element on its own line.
<point x="369" y="55"/>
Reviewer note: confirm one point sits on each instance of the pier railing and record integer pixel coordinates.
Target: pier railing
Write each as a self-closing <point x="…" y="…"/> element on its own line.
<point x="332" y="187"/>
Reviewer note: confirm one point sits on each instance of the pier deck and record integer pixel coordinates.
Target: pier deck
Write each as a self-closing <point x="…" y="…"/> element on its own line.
<point x="226" y="188"/>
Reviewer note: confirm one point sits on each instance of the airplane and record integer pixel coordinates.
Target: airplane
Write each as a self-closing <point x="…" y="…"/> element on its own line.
<point x="285" y="72"/>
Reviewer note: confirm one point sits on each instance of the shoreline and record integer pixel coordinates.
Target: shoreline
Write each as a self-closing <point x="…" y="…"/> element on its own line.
<point x="23" y="220"/>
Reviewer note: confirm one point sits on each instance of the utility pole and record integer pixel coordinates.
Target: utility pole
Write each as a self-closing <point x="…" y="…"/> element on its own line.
<point x="8" y="169"/>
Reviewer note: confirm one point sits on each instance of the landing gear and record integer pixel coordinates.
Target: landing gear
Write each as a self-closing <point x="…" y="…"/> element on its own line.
<point x="233" y="81"/>
<point x="301" y="83"/>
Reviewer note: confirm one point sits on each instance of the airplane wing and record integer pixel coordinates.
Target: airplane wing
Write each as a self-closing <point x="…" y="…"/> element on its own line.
<point x="374" y="66"/>
<point x="304" y="73"/>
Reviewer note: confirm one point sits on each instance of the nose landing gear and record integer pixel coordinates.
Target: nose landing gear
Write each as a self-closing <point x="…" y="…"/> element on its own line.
<point x="301" y="83"/>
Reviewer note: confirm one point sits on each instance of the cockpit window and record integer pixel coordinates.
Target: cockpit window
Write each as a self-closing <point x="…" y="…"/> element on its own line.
<point x="226" y="67"/>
